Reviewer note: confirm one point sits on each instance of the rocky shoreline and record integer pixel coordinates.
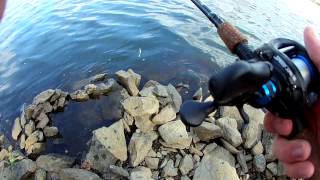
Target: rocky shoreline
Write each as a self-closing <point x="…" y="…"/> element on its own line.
<point x="148" y="142"/>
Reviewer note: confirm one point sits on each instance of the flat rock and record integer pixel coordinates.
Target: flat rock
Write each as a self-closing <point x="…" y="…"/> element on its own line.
<point x="230" y="134"/>
<point x="141" y="173"/>
<point x="130" y="80"/>
<point x="186" y="164"/>
<point x="207" y="131"/>
<point x="107" y="146"/>
<point x="169" y="170"/>
<point x="166" y="114"/>
<point x="54" y="162"/>
<point x="141" y="106"/>
<point x="18" y="170"/>
<point x="50" y="131"/>
<point x="175" y="135"/>
<point x="77" y="174"/>
<point x="152" y="162"/>
<point x="139" y="146"/>
<point x="43" y="96"/>
<point x="176" y="99"/>
<point x="144" y="123"/>
<point x="16" y="129"/>
<point x="259" y="163"/>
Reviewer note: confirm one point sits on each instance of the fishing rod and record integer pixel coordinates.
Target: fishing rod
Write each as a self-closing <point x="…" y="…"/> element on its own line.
<point x="278" y="76"/>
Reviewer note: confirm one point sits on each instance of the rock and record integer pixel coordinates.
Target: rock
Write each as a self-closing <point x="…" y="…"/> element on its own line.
<point x="33" y="138"/>
<point x="43" y="96"/>
<point x="141" y="106"/>
<point x="175" y="97"/>
<point x="29" y="128"/>
<point x="54" y="162"/>
<point x="230" y="134"/>
<point x="193" y="150"/>
<point x="41" y="136"/>
<point x="107" y="146"/>
<point x="144" y="123"/>
<point x="164" y="162"/>
<point x="169" y="169"/>
<point x="209" y="148"/>
<point x="28" y="111"/>
<point x="175" y="135"/>
<point x="257" y="149"/>
<point x="2" y="140"/>
<point x="273" y="168"/>
<point x="36" y="148"/>
<point x="16" y="129"/>
<point x="186" y="164"/>
<point x="198" y="95"/>
<point x="98" y="77"/>
<point x="139" y="146"/>
<point x="130" y="80"/>
<point x="22" y="141"/>
<point x="56" y="95"/>
<point x="185" y="178"/>
<point x="128" y="118"/>
<point x="90" y="89"/>
<point x="40" y="174"/>
<point x="167" y="114"/>
<point x="207" y="131"/>
<point x="18" y="170"/>
<point x="280" y="170"/>
<point x="61" y="103"/>
<point x="178" y="159"/>
<point x="228" y="121"/>
<point x="43" y="120"/>
<point x="147" y="92"/>
<point x="4" y="154"/>
<point x="252" y="134"/>
<point x="267" y="142"/>
<point x="23" y="120"/>
<point x="47" y="108"/>
<point x="119" y="171"/>
<point x="77" y="174"/>
<point x="37" y="110"/>
<point x="50" y="131"/>
<point x="79" y="95"/>
<point x="259" y="163"/>
<point x="152" y="153"/>
<point x="141" y="173"/>
<point x="151" y="162"/>
<point x="160" y="91"/>
<point x="104" y="88"/>
<point x="229" y="147"/>
<point x="242" y="161"/>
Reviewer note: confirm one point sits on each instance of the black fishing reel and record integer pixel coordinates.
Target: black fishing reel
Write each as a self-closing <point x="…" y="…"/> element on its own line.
<point x="280" y="78"/>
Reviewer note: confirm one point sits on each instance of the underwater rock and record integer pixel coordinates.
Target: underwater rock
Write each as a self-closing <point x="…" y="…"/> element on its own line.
<point x="130" y="80"/>
<point x="50" y="131"/>
<point x="98" y="77"/>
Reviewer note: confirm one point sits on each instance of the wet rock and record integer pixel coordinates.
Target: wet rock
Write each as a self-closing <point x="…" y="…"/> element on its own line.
<point x="207" y="131"/>
<point x="229" y="147"/>
<point x="29" y="128"/>
<point x="50" y="131"/>
<point x="79" y="95"/>
<point x="267" y="142"/>
<point x="105" y="88"/>
<point x="151" y="162"/>
<point x="175" y="97"/>
<point x="169" y="169"/>
<point x="18" y="170"/>
<point x="198" y="95"/>
<point x="43" y="96"/>
<point x="141" y="106"/>
<point x="175" y="135"/>
<point x="144" y="123"/>
<point x="242" y="161"/>
<point x="257" y="149"/>
<point x="22" y="141"/>
<point x="273" y="168"/>
<point x="43" y="120"/>
<point x="107" y="146"/>
<point x="119" y="171"/>
<point x="98" y="77"/>
<point x="33" y="138"/>
<point x="40" y="174"/>
<point x="16" y="129"/>
<point x="54" y="162"/>
<point x="209" y="148"/>
<point x="4" y="154"/>
<point x="130" y="80"/>
<point x="140" y="173"/>
<point x="77" y="174"/>
<point x="230" y="134"/>
<point x="139" y="146"/>
<point x="90" y="89"/>
<point x="186" y="164"/>
<point x="259" y="163"/>
<point x="167" y="114"/>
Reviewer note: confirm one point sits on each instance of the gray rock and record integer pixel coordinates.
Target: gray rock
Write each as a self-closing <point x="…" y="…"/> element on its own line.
<point x="40" y="174"/>
<point x="229" y="147"/>
<point x="37" y="110"/>
<point x="18" y="170"/>
<point x="152" y="163"/>
<point x="43" y="121"/>
<point x="50" y="131"/>
<point x="207" y="131"/>
<point x="47" y="108"/>
<point x="98" y="77"/>
<point x="61" y="103"/>
<point x="169" y="169"/>
<point x="257" y="149"/>
<point x="152" y="153"/>
<point x="178" y="159"/>
<point x="16" y="129"/>
<point x="209" y="148"/>
<point x="273" y="168"/>
<point x="43" y="96"/>
<point x="22" y="142"/>
<point x="186" y="164"/>
<point x="119" y="171"/>
<point x="105" y="88"/>
<point x="175" y="97"/>
<point x="267" y="142"/>
<point x="259" y="163"/>
<point x="167" y="114"/>
<point x="160" y="90"/>
<point x="54" y="162"/>
<point x="144" y="123"/>
<point x="147" y="92"/>
<point x="56" y="95"/>
<point x="242" y="161"/>
<point x="130" y="80"/>
<point x="79" y="95"/>
<point x="280" y="170"/>
<point x="140" y="173"/>
<point x="151" y="83"/>
<point x="128" y="118"/>
<point x="198" y="95"/>
<point x="175" y="135"/>
<point x="77" y="174"/>
<point x="164" y="162"/>
<point x="29" y="128"/>
<point x="139" y="146"/>
<point x="228" y="121"/>
<point x="36" y="148"/>
<point x="252" y="134"/>
<point x="40" y="136"/>
<point x="141" y="106"/>
<point x="107" y="146"/>
<point x="230" y="134"/>
<point x="90" y="89"/>
<point x="4" y="154"/>
<point x="23" y="120"/>
<point x="185" y="178"/>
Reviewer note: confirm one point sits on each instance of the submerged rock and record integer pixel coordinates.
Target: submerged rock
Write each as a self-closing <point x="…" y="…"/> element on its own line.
<point x="130" y="80"/>
<point x="54" y="162"/>
<point x="77" y="174"/>
<point x="50" y="131"/>
<point x="141" y="106"/>
<point x="98" y="77"/>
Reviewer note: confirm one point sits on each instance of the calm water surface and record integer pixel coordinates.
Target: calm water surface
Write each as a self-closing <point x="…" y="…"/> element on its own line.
<point x="58" y="43"/>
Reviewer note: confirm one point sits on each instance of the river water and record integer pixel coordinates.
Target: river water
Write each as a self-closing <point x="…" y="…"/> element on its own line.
<point x="58" y="43"/>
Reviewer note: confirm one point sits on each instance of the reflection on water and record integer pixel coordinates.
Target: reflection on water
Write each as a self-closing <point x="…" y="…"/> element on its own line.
<point x="59" y="44"/>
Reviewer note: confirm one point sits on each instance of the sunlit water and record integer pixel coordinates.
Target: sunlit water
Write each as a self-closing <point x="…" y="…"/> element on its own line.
<point x="57" y="44"/>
